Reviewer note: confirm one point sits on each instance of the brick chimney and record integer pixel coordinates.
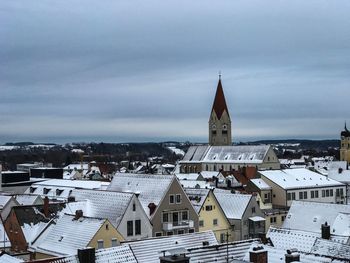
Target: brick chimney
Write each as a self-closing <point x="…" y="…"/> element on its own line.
<point x="325" y="231"/>
<point x="46" y="207"/>
<point x="258" y="255"/>
<point x="292" y="256"/>
<point x="78" y="214"/>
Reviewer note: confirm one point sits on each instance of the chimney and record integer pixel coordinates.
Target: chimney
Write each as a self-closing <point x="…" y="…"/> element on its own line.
<point x="326" y="231"/>
<point x="86" y="255"/>
<point x="152" y="207"/>
<point x="78" y="214"/>
<point x="71" y="199"/>
<point x="340" y="170"/>
<point x="46" y="206"/>
<point x="258" y="255"/>
<point x="292" y="256"/>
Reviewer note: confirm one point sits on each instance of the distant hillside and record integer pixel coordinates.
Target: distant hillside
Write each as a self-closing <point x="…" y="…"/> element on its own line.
<point x="319" y="145"/>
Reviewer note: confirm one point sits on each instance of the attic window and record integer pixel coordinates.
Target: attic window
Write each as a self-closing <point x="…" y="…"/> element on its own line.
<point x="60" y="239"/>
<point x="58" y="192"/>
<point x="32" y="189"/>
<point x="46" y="191"/>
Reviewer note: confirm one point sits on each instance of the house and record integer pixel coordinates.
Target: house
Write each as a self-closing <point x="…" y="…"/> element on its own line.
<point x="163" y="199"/>
<point x="302" y="184"/>
<point x="211" y="215"/>
<point x="69" y="233"/>
<point x="243" y="213"/>
<point x="25" y="223"/>
<point x="123" y="210"/>
<point x="263" y="191"/>
<point x="228" y="158"/>
<point x="309" y="216"/>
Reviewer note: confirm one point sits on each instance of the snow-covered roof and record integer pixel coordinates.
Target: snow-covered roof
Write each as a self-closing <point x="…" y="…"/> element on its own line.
<point x="197" y="197"/>
<point x="260" y="183"/>
<point x="195" y="184"/>
<point x="301" y="240"/>
<point x="104" y="204"/>
<point x="227" y="154"/>
<point x="331" y="248"/>
<point x="276" y="255"/>
<point x="52" y="192"/>
<point x="68" y="235"/>
<point x="209" y="174"/>
<point x="86" y="184"/>
<point x="9" y="259"/>
<point x="151" y="188"/>
<point x="190" y="176"/>
<point x="149" y="250"/>
<point x="4" y="199"/>
<point x="76" y="166"/>
<point x="343" y="177"/>
<point x="4" y="240"/>
<point x="298" y="178"/>
<point x="309" y="216"/>
<point x="26" y="199"/>
<point x="119" y="254"/>
<point x="218" y="253"/>
<point x="233" y="205"/>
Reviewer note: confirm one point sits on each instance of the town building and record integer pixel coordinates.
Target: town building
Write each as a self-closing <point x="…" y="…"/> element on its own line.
<point x="243" y="213"/>
<point x="211" y="215"/>
<point x="345" y="145"/>
<point x="302" y="184"/>
<point x="72" y="232"/>
<point x="123" y="210"/>
<point x="163" y="199"/>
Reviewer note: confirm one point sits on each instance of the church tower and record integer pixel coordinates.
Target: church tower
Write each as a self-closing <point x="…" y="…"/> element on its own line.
<point x="345" y="145"/>
<point x="219" y="120"/>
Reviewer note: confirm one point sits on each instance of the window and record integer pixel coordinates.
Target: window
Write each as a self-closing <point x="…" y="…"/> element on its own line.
<point x="327" y="193"/>
<point x="158" y="234"/>
<point x="184" y="215"/>
<point x="331" y="192"/>
<point x="289" y="196"/>
<point x="107" y="227"/>
<point x="208" y="207"/>
<point x="133" y="207"/>
<point x="305" y="195"/>
<point x="169" y="233"/>
<point x="180" y="232"/>
<point x="165" y="217"/>
<point x="172" y="199"/>
<point x="178" y="199"/>
<point x="138" y="227"/>
<point x="301" y="195"/>
<point x="222" y="237"/>
<point x="215" y="222"/>
<point x="129" y="228"/>
<point x="191" y="230"/>
<point x="253" y="209"/>
<point x="273" y="219"/>
<point x="201" y="223"/>
<point x="100" y="244"/>
<point x="312" y="194"/>
<point x="114" y="242"/>
<point x="283" y="218"/>
<point x="316" y="193"/>
<point x="293" y="196"/>
<point x="323" y="193"/>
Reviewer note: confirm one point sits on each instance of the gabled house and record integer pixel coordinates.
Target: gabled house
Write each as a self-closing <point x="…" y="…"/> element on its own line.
<point x="244" y="214"/>
<point x="123" y="210"/>
<point x="25" y="223"/>
<point x="69" y="233"/>
<point x="211" y="215"/>
<point x="163" y="199"/>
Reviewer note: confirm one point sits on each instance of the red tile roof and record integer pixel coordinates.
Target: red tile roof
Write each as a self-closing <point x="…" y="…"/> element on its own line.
<point x="219" y="104"/>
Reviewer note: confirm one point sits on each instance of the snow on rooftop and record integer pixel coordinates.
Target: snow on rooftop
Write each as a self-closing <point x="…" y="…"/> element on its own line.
<point x="195" y="184"/>
<point x="233" y="205"/>
<point x="105" y="204"/>
<point x="197" y="197"/>
<point x="86" y="184"/>
<point x="260" y="183"/>
<point x="68" y="235"/>
<point x="298" y="178"/>
<point x="9" y="259"/>
<point x="331" y="249"/>
<point x="140" y="183"/>
<point x="4" y="199"/>
<point x="26" y="199"/>
<point x="309" y="216"/>
<point x="149" y="250"/>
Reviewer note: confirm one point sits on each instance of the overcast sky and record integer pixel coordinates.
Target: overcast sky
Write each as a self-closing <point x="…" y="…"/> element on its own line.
<point x="116" y="71"/>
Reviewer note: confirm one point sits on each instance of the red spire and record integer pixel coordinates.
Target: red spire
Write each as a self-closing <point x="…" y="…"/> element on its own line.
<point x="219" y="104"/>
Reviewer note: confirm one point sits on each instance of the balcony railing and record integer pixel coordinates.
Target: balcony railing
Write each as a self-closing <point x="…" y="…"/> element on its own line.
<point x="168" y="226"/>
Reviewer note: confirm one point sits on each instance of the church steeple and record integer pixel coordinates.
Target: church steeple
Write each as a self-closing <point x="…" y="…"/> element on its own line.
<point x="219" y="120"/>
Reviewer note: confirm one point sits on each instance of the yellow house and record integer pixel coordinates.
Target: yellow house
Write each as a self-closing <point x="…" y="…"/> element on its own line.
<point x="71" y="233"/>
<point x="211" y="215"/>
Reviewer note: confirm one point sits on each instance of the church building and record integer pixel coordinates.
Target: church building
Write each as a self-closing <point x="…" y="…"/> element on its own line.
<point x="345" y="145"/>
<point x="220" y="154"/>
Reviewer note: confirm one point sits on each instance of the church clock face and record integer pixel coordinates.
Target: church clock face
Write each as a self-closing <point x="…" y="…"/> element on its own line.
<point x="213" y="126"/>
